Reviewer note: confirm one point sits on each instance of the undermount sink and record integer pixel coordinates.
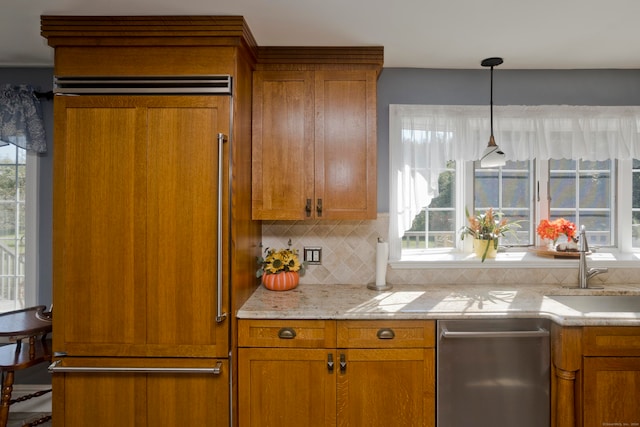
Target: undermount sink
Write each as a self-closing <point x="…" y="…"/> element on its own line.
<point x="600" y="303"/>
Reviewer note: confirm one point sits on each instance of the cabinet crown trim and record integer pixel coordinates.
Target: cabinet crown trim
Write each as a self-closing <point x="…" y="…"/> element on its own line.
<point x="164" y="30"/>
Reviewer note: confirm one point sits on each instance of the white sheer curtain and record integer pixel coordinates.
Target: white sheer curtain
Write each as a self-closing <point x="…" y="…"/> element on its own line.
<point x="422" y="138"/>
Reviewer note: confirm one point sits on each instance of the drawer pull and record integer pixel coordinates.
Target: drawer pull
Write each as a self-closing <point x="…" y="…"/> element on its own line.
<point x="286" y="334"/>
<point x="330" y="362"/>
<point x="386" y="334"/>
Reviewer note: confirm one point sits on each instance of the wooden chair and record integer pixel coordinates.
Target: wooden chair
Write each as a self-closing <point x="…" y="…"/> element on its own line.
<point x="28" y="331"/>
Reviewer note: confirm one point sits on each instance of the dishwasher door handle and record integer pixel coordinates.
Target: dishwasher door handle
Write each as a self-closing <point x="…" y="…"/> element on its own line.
<point x="540" y="332"/>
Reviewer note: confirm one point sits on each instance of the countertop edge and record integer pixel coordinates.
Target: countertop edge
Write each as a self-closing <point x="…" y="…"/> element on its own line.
<point x="414" y="302"/>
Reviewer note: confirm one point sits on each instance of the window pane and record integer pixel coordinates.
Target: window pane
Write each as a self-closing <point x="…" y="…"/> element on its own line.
<point x="487" y="190"/>
<point x="8" y="154"/>
<point x="8" y="188"/>
<point x="594" y="189"/>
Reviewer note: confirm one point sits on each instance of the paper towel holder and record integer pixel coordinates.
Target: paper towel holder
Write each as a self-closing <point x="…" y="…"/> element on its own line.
<point x="380" y="283"/>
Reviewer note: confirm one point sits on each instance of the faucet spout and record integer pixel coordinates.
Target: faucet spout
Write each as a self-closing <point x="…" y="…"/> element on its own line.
<point x="585" y="273"/>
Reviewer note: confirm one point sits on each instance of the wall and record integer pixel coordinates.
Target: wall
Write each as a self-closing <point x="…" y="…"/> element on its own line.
<point x="349" y="247"/>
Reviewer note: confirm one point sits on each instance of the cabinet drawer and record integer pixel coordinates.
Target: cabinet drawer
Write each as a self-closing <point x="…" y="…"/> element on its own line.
<point x="611" y="341"/>
<point x="386" y="334"/>
<point x="287" y="333"/>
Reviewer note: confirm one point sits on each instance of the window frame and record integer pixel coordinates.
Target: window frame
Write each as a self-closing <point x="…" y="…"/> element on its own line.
<point x="32" y="229"/>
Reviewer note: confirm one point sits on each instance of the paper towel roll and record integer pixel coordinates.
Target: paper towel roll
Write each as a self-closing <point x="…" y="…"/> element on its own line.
<point x="382" y="256"/>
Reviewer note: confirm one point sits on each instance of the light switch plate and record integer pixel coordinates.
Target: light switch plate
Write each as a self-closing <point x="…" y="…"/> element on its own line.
<point x="313" y="255"/>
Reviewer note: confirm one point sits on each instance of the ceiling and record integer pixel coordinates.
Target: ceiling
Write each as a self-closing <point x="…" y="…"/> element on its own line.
<point x="540" y="34"/>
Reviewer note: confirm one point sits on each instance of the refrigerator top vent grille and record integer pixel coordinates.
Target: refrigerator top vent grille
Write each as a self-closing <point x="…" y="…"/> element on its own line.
<point x="143" y="85"/>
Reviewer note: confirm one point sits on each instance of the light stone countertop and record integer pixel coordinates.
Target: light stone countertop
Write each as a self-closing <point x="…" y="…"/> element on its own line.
<point x="434" y="302"/>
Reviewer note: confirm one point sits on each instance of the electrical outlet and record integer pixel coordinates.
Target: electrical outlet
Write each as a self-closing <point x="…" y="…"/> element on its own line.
<point x="313" y="255"/>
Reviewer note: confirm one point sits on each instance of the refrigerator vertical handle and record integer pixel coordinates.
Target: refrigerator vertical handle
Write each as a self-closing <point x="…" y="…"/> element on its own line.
<point x="220" y="314"/>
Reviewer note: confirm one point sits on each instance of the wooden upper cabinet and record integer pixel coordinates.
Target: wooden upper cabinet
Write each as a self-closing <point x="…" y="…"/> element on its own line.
<point x="314" y="139"/>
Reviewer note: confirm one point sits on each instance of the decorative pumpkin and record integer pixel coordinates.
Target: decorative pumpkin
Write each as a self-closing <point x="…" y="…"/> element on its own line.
<point x="283" y="281"/>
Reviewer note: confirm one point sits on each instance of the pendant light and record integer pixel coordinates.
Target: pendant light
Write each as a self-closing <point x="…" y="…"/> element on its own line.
<point x="492" y="157"/>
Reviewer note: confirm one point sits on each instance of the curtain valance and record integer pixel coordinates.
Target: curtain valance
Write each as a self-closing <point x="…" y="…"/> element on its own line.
<point x="542" y="132"/>
<point x="21" y="121"/>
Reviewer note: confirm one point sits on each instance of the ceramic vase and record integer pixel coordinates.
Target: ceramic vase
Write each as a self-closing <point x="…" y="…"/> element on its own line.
<point x="480" y="248"/>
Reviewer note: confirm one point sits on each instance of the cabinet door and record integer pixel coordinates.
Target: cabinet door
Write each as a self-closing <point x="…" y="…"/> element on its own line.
<point x="181" y="220"/>
<point x="280" y="387"/>
<point x="345" y="144"/>
<point x="282" y="161"/>
<point x="135" y="399"/>
<point x="390" y="387"/>
<point x="99" y="237"/>
<point x="611" y="391"/>
<point x="135" y="216"/>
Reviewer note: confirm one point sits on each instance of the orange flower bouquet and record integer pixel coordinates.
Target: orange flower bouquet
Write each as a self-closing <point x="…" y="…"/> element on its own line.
<point x="552" y="230"/>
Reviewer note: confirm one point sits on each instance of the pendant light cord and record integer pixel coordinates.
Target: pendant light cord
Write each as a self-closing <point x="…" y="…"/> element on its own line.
<point x="491" y="101"/>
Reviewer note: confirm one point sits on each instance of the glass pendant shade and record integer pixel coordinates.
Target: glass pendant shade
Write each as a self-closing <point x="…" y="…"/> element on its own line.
<point x="493" y="156"/>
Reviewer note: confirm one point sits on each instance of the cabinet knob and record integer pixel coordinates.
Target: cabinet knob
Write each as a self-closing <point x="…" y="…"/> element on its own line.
<point x="286" y="334"/>
<point x="386" y="334"/>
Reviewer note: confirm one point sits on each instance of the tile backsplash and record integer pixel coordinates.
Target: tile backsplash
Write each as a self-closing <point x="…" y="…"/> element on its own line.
<point x="349" y="257"/>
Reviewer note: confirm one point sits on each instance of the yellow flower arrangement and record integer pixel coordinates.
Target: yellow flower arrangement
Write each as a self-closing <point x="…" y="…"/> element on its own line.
<point x="277" y="261"/>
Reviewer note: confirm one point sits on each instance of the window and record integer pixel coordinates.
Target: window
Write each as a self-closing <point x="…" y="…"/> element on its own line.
<point x="556" y="171"/>
<point x="22" y="137"/>
<point x="12" y="227"/>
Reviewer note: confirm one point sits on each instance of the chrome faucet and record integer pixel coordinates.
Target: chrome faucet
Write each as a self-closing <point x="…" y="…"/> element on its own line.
<point x="584" y="273"/>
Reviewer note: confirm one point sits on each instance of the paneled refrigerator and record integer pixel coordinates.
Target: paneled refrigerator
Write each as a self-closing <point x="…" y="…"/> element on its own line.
<point x="141" y="252"/>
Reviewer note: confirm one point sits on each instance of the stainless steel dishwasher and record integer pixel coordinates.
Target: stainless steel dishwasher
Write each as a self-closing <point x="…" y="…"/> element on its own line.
<point x="493" y="372"/>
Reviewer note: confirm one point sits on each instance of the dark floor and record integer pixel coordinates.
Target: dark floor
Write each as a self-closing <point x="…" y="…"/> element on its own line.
<point x="17" y="419"/>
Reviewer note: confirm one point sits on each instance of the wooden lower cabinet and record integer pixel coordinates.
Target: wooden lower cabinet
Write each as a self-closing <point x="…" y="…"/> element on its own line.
<point x="597" y="376"/>
<point x="377" y="373"/>
<point x="93" y="397"/>
<point x="612" y="391"/>
<point x="611" y="376"/>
